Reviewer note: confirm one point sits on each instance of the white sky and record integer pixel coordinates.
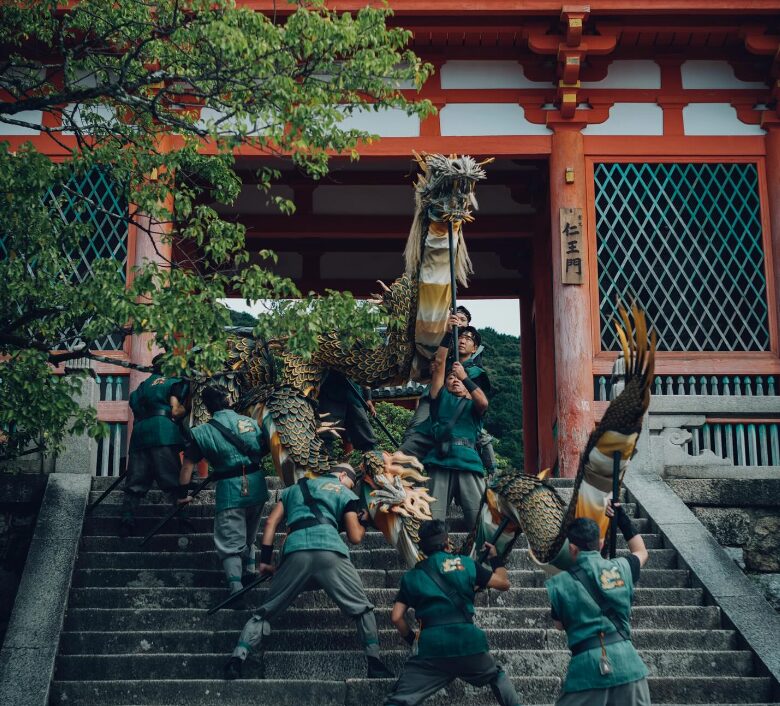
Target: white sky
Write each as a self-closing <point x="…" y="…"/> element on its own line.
<point x="503" y="315"/>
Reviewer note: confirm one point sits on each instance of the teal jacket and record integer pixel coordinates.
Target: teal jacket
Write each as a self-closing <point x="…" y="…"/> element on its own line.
<point x="224" y="457"/>
<point x="447" y="634"/>
<point x="333" y="500"/>
<point x="462" y="455"/>
<point x="153" y="423"/>
<point x="583" y="619"/>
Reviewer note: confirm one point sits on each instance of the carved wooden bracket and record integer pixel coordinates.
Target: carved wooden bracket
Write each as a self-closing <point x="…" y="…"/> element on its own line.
<point x="571" y="48"/>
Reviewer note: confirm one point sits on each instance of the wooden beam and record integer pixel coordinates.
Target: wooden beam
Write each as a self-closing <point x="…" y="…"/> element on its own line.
<point x="367" y="227"/>
<point x="479" y="288"/>
<point x="446" y="9"/>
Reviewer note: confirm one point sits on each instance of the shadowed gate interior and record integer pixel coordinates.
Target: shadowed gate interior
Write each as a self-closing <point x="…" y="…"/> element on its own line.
<point x="349" y="230"/>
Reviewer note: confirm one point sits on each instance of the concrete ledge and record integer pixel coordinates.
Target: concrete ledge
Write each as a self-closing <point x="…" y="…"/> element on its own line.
<point x="715" y="405"/>
<point x="728" y="492"/>
<point x="30" y="648"/>
<point x="723" y="472"/>
<point x="740" y="600"/>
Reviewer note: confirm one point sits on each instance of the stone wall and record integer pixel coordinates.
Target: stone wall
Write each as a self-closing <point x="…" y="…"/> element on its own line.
<point x="738" y="505"/>
<point x="20" y="500"/>
<point x="743" y="514"/>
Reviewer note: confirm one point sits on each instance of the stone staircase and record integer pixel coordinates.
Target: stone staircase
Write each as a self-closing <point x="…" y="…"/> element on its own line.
<point x="136" y="630"/>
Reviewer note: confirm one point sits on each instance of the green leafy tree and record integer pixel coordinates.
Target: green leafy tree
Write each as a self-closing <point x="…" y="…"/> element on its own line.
<point x="156" y="97"/>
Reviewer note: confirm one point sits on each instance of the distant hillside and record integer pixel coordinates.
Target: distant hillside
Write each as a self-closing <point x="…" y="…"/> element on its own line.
<point x="240" y="318"/>
<point x="504" y="419"/>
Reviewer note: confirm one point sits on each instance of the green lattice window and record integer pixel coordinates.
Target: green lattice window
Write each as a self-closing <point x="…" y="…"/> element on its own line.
<point x="685" y="241"/>
<point x="97" y="199"/>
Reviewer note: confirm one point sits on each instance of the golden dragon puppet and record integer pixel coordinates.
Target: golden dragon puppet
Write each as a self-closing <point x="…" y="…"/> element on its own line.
<point x="534" y="507"/>
<point x="280" y="389"/>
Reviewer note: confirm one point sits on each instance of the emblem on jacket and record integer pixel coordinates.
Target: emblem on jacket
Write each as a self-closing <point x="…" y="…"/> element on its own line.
<point x="611" y="578"/>
<point x="158" y="381"/>
<point x="332" y="487"/>
<point x="245" y="426"/>
<point x="453" y="564"/>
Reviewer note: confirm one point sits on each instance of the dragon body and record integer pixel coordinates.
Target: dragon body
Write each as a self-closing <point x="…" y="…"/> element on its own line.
<point x="534" y="507"/>
<point x="279" y="389"/>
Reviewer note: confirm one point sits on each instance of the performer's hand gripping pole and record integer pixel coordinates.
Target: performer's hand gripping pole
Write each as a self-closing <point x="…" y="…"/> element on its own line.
<point x="176" y="510"/>
<point x="616" y="456"/>
<point x="484" y="553"/>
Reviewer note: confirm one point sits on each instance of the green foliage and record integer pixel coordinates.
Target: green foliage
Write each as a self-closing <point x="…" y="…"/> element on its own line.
<point x="504" y="419"/>
<point x="164" y="93"/>
<point x="394" y="417"/>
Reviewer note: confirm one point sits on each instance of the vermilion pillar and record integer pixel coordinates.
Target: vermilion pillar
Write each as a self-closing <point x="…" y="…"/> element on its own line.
<point x="544" y="334"/>
<point x="773" y="188"/>
<point x="149" y="247"/>
<point x="571" y="303"/>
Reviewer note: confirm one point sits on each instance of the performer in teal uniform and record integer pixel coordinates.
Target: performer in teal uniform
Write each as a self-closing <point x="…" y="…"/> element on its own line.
<point x="592" y="603"/>
<point x="453" y="465"/>
<point x="449" y="646"/>
<point x="156" y="441"/>
<point x="233" y="445"/>
<point x="314" y="556"/>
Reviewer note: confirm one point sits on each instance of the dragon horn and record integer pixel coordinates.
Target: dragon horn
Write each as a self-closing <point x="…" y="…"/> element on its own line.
<point x="487" y="160"/>
<point x="419" y="157"/>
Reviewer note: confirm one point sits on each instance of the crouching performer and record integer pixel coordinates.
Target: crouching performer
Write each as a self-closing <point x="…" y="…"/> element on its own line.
<point x="314" y="556"/>
<point x="233" y="445"/>
<point x="449" y="646"/>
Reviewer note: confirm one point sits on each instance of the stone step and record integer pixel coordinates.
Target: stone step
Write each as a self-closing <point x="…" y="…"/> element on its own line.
<point x="107" y="526"/>
<point x="196" y="641"/>
<point x="349" y="664"/>
<point x="376" y="578"/>
<point x="157" y="503"/>
<point x="100" y="483"/>
<point x="137" y="618"/>
<point x="364" y="692"/>
<point x="381" y="558"/>
<point x="163" y="597"/>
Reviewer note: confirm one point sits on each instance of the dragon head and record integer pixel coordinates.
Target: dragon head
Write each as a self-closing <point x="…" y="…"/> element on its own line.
<point x="395" y="486"/>
<point x="443" y="194"/>
<point x="445" y="188"/>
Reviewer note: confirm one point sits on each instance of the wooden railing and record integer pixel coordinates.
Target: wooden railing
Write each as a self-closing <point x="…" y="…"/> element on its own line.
<point x="709" y="385"/>
<point x="112" y="450"/>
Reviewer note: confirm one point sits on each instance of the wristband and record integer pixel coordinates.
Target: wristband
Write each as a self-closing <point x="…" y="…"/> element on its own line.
<point x="182" y="491"/>
<point x="496" y="562"/>
<point x="446" y="340"/>
<point x="266" y="553"/>
<point x="470" y="385"/>
<point x="409" y="637"/>
<point x="625" y="525"/>
<point x="364" y="520"/>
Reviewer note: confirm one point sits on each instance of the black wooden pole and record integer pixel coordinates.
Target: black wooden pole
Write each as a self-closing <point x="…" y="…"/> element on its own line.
<point x="616" y="456"/>
<point x="453" y="355"/>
